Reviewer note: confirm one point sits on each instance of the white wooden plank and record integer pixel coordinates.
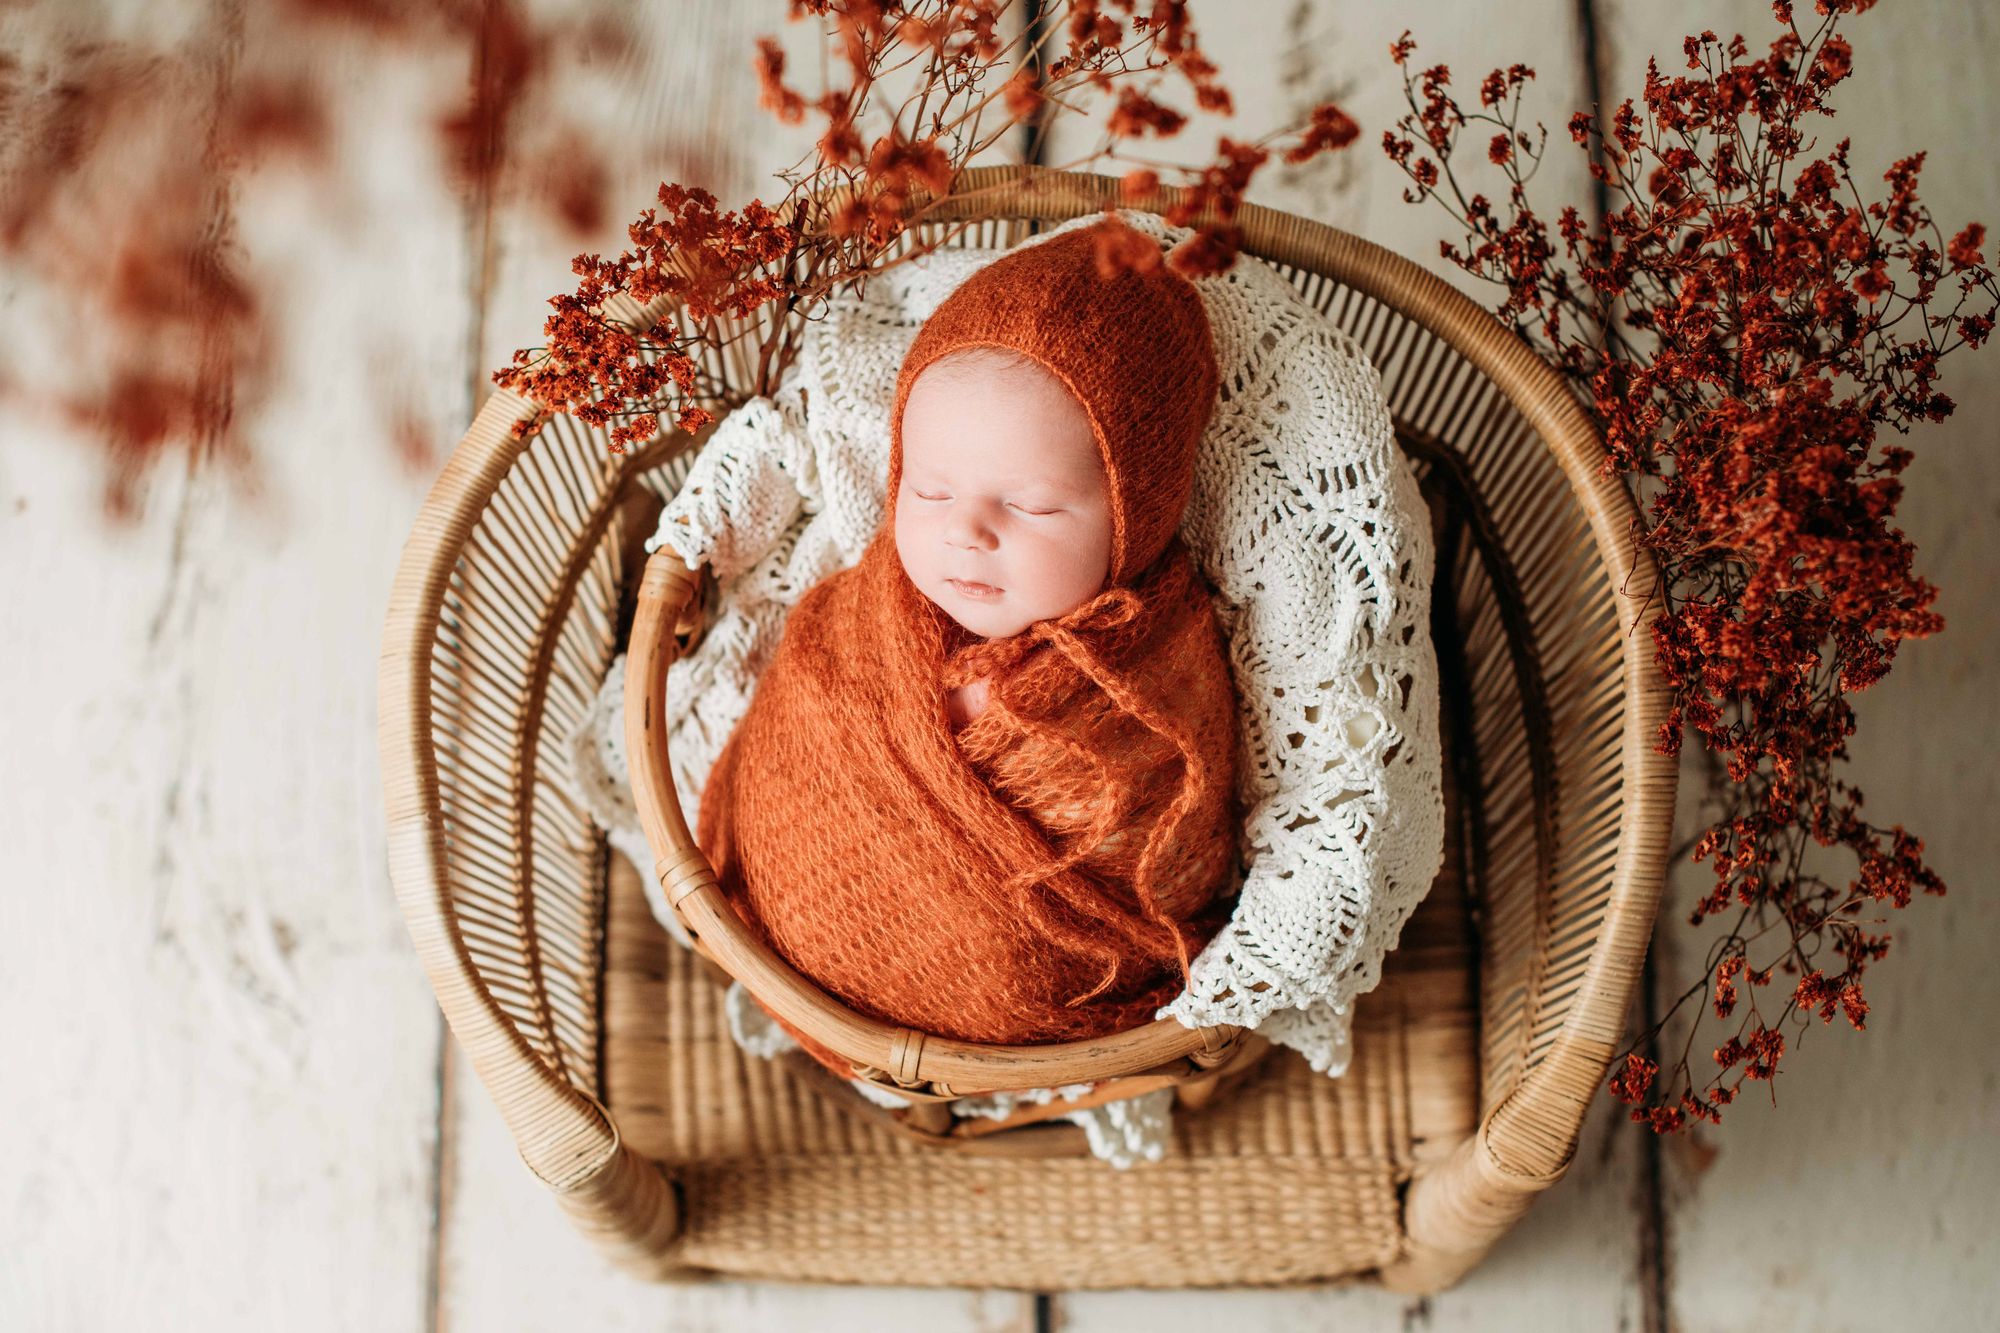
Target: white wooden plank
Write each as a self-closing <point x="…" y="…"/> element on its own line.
<point x="219" y="1103"/>
<point x="1864" y="1198"/>
<point x="677" y="102"/>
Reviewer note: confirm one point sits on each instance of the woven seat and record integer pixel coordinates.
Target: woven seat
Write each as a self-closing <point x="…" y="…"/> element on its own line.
<point x="789" y="1174"/>
<point x="602" y="1041"/>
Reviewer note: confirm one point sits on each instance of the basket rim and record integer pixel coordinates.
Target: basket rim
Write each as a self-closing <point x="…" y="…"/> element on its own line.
<point x="904" y="1059"/>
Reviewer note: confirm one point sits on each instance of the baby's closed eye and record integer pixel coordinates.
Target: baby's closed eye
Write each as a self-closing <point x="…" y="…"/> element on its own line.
<point x="1033" y="508"/>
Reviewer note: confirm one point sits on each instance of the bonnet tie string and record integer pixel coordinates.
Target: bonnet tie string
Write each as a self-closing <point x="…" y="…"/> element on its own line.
<point x="1066" y="634"/>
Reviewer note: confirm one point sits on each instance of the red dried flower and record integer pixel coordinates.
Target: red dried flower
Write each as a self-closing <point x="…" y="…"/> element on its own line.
<point x="898" y="165"/>
<point x="1853" y="1005"/>
<point x="850" y="215"/>
<point x="1137" y="115"/>
<point x="1330" y="128"/>
<point x="1964" y="248"/>
<point x="1215" y="98"/>
<point x="841" y="145"/>
<point x="1208" y="204"/>
<point x="773" y="95"/>
<point x="1726" y="973"/>
<point x="1138" y="184"/>
<point x="1635" y="1078"/>
<point x="1123" y="248"/>
<point x="1873" y="282"/>
<point x="1021" y="95"/>
<point x="1742" y="346"/>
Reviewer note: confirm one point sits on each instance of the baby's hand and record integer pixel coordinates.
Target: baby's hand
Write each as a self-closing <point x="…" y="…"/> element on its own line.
<point x="962" y="703"/>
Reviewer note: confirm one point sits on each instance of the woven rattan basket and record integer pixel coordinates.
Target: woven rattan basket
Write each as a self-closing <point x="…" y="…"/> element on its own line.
<point x="603" y="1042"/>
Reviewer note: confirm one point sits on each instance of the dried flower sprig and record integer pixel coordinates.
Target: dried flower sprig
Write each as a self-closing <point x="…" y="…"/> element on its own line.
<point x="741" y="282"/>
<point x="1742" y="323"/>
<point x="122" y="175"/>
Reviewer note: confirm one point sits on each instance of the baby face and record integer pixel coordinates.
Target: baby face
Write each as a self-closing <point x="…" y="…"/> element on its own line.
<point x="1003" y="514"/>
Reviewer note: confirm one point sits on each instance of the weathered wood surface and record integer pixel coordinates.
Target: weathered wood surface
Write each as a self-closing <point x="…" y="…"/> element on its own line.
<point x="220" y="1100"/>
<point x="232" y="1102"/>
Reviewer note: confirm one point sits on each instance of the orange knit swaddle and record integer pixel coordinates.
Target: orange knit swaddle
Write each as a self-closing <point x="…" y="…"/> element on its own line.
<point x="1048" y="872"/>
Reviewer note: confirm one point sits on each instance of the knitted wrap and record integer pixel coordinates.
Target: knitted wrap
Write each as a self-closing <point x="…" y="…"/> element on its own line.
<point x="1048" y="873"/>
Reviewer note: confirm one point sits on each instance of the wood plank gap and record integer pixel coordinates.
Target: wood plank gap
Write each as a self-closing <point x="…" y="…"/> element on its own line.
<point x="442" y="1164"/>
<point x="478" y="229"/>
<point x="1034" y="135"/>
<point x="1034" y="152"/>
<point x="1654" y="1283"/>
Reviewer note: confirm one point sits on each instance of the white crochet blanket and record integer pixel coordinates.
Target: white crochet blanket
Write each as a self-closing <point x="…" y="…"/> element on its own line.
<point x="1305" y="519"/>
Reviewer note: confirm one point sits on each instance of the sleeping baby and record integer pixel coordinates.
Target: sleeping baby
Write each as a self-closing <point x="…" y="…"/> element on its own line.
<point x="985" y="786"/>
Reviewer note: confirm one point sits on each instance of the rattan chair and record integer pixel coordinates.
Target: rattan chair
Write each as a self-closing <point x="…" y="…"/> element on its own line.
<point x="603" y="1042"/>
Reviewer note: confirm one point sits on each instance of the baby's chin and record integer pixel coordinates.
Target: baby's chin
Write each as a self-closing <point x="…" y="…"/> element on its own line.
<point x="993" y="624"/>
<point x="994" y="619"/>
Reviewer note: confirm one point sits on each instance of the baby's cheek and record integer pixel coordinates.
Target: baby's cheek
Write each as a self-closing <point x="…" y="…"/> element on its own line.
<point x="1061" y="558"/>
<point x="907" y="547"/>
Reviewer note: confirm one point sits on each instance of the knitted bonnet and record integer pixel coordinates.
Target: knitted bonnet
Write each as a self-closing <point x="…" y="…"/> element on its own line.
<point x="1134" y="349"/>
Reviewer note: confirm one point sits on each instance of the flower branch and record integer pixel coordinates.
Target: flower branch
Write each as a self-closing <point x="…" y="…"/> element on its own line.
<point x="1741" y="342"/>
<point x="858" y="204"/>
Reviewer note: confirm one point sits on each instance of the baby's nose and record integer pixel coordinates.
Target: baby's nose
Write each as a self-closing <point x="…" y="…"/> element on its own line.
<point x="971" y="531"/>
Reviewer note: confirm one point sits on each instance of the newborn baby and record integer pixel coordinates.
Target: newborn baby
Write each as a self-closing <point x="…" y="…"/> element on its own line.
<point x="985" y="786"/>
